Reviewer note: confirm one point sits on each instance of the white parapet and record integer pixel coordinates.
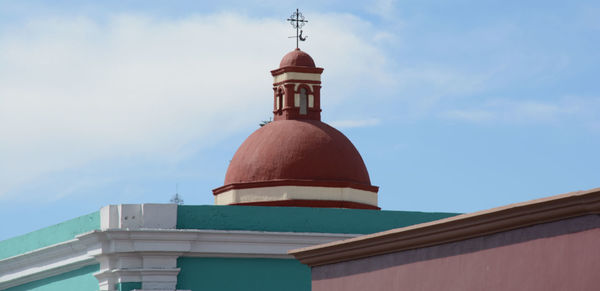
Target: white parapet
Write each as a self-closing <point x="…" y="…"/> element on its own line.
<point x="138" y="216"/>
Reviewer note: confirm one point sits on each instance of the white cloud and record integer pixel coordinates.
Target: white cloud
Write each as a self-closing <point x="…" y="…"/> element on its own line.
<point x="382" y="8"/>
<point x="78" y="90"/>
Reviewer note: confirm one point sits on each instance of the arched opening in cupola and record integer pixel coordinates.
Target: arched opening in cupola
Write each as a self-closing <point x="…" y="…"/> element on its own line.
<point x="303" y="101"/>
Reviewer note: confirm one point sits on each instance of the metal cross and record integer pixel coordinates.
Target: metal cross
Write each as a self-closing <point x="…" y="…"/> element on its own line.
<point x="297" y="20"/>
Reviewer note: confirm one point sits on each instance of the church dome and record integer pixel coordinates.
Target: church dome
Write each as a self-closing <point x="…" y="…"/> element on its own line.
<point x="300" y="152"/>
<point x="297" y="58"/>
<point x="297" y="160"/>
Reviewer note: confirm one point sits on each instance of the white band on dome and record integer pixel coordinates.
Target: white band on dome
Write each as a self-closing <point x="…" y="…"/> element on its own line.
<point x="279" y="193"/>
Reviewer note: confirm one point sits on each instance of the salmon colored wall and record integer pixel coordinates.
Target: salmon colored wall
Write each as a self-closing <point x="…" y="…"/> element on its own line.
<point x="561" y="255"/>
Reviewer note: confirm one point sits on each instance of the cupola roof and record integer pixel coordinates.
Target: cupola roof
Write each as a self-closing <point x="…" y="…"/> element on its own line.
<point x="298" y="152"/>
<point x="297" y="58"/>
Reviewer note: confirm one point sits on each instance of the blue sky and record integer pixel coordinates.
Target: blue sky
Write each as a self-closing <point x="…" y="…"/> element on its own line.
<point x="455" y="106"/>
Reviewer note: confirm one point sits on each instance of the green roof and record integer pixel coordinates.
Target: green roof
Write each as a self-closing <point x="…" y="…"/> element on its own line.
<point x="299" y="219"/>
<point x="49" y="235"/>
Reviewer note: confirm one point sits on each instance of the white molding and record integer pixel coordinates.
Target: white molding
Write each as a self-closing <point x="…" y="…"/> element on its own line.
<point x="296" y="76"/>
<point x="142" y="250"/>
<point x="43" y="263"/>
<point x="209" y="243"/>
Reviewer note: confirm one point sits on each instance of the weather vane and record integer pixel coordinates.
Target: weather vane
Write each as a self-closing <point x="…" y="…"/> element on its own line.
<point x="297" y="20"/>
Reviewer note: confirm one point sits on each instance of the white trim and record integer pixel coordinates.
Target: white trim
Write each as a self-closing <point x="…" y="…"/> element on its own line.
<point x="141" y="251"/>
<point x="296" y="76"/>
<point x="208" y="243"/>
<point x="277" y="193"/>
<point x="43" y="263"/>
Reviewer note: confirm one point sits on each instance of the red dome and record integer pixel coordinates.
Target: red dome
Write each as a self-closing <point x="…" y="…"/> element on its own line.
<point x="298" y="152"/>
<point x="297" y="58"/>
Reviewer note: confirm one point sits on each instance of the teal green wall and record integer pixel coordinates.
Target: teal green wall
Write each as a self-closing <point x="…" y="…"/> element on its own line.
<point x="233" y="274"/>
<point x="128" y="286"/>
<point x="77" y="280"/>
<point x="50" y="235"/>
<point x="298" y="219"/>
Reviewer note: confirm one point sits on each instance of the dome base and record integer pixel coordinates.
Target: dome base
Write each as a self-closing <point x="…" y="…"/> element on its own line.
<point x="282" y="195"/>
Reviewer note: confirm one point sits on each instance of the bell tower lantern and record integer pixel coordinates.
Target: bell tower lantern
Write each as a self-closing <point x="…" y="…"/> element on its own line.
<point x="297" y="87"/>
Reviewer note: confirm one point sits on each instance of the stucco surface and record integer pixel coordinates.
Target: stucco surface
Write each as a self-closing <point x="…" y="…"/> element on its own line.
<point x="297" y="150"/>
<point x="297" y="58"/>
<point x="50" y="235"/>
<point x="252" y="274"/>
<point x="78" y="280"/>
<point x="561" y="255"/>
<point x="298" y="219"/>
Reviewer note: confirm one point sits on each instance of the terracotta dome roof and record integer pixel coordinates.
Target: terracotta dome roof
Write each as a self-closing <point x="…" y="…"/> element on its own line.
<point x="297" y="58"/>
<point x="295" y="151"/>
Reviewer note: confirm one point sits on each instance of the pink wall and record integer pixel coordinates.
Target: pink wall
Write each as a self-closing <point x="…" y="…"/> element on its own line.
<point x="563" y="255"/>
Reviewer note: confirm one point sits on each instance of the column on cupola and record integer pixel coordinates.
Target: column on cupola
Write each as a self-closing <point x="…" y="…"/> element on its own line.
<point x="317" y="94"/>
<point x="289" y="96"/>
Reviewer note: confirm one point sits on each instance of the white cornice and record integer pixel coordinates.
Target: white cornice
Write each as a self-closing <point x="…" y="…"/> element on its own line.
<point x="86" y="249"/>
<point x="43" y="263"/>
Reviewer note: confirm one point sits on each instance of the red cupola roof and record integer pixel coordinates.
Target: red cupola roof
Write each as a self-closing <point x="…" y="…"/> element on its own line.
<point x="297" y="160"/>
<point x="297" y="58"/>
<point x="298" y="152"/>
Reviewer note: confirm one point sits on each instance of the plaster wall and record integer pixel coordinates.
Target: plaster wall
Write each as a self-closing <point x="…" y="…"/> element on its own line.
<point x="298" y="219"/>
<point x="127" y="240"/>
<point x="81" y="280"/>
<point x="232" y="274"/>
<point x="50" y="235"/>
<point x="561" y="255"/>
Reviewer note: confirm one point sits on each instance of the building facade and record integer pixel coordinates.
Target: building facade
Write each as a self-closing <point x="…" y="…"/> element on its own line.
<point x="185" y="247"/>
<point x="544" y="244"/>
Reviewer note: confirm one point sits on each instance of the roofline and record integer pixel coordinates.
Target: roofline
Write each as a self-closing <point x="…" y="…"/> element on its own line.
<point x="455" y="228"/>
<point x="298" y="69"/>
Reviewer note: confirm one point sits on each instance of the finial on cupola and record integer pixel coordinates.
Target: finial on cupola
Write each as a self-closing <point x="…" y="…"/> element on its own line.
<point x="298" y="21"/>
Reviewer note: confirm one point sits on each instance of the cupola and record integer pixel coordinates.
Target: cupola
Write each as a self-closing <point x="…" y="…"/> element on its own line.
<point x="297" y="160"/>
<point x="297" y="87"/>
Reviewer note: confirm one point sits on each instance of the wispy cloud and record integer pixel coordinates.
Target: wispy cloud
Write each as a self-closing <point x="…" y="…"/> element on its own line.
<point x="382" y="8"/>
<point x="529" y="111"/>
<point x="78" y="90"/>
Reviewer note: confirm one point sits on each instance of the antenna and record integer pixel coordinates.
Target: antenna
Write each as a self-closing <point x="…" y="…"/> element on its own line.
<point x="176" y="198"/>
